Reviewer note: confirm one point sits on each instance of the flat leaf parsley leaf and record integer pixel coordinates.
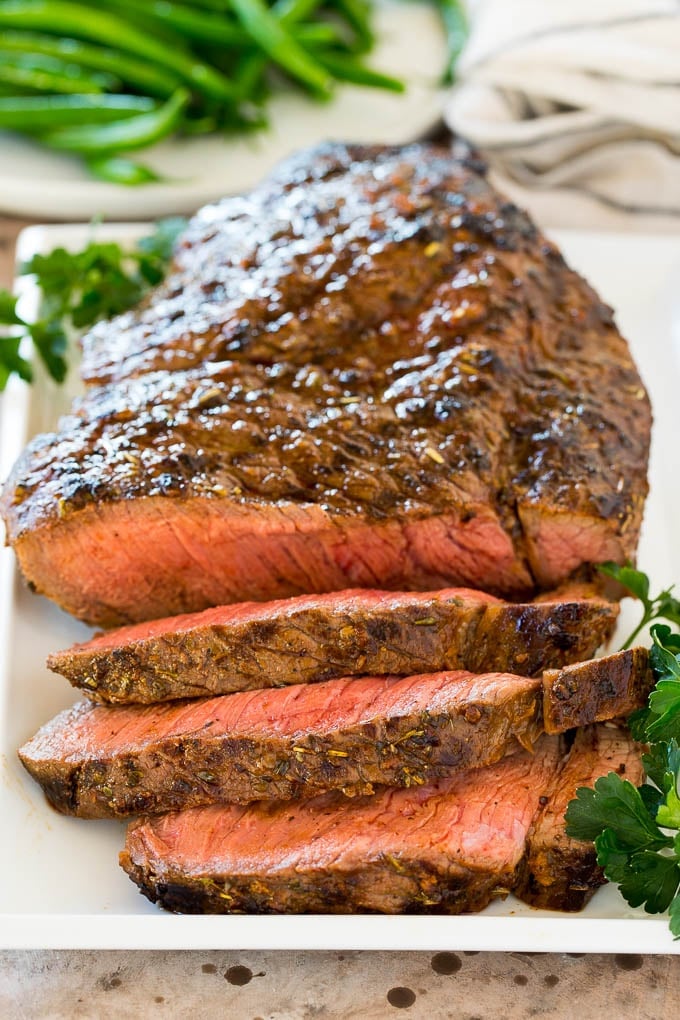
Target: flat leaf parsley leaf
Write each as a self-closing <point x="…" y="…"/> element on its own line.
<point x="77" y="290"/>
<point x="632" y="849"/>
<point x="636" y="831"/>
<point x="614" y="804"/>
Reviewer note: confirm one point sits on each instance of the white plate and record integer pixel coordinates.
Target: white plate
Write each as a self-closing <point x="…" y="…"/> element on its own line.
<point x="61" y="885"/>
<point x="411" y="45"/>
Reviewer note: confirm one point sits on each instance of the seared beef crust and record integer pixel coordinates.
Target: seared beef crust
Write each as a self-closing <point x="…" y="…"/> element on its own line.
<point x="318" y="637"/>
<point x="558" y="872"/>
<point x="372" y="371"/>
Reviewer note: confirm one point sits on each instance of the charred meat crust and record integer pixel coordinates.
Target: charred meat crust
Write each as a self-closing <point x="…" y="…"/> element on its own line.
<point x="563" y="878"/>
<point x="314" y="639"/>
<point x="410" y="888"/>
<point x="371" y="357"/>
<point x="583" y="693"/>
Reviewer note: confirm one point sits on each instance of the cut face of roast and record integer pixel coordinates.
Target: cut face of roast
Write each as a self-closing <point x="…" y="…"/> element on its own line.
<point x="373" y="371"/>
<point x="317" y="637"/>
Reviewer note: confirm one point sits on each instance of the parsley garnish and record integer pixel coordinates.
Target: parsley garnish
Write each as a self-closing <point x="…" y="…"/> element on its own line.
<point x="636" y="831"/>
<point x="626" y="827"/>
<point x="78" y="290"/>
<point x="663" y="606"/>
<point x="661" y="719"/>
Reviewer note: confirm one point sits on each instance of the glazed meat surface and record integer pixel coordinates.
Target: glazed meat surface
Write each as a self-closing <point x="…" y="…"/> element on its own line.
<point x="316" y="637"/>
<point x="372" y="371"/>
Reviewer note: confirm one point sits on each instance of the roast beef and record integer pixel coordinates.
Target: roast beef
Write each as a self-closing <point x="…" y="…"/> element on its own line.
<point x="588" y="692"/>
<point x="95" y="761"/>
<point x="311" y="638"/>
<point x="447" y="847"/>
<point x="347" y="734"/>
<point x="372" y="371"/>
<point x="560" y="873"/>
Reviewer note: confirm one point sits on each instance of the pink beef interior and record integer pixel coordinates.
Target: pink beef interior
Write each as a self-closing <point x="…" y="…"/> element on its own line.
<point x="479" y="819"/>
<point x="96" y="732"/>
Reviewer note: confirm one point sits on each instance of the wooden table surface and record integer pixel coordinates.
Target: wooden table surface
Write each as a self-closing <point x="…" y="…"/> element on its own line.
<point x="76" y="985"/>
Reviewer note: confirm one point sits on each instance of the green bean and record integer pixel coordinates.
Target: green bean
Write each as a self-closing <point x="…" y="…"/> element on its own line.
<point x="192" y="24"/>
<point x="38" y="113"/>
<point x="44" y="74"/>
<point x="199" y="125"/>
<point x="11" y="90"/>
<point x="118" y="170"/>
<point x="275" y="40"/>
<point x="319" y="34"/>
<point x="154" y="80"/>
<point x="123" y="135"/>
<point x="209" y="5"/>
<point x="249" y="71"/>
<point x="291" y="11"/>
<point x="347" y="68"/>
<point x="65" y="18"/>
<point x="140" y="14"/>
<point x="253" y="64"/>
<point x="456" y="26"/>
<point x="214" y="27"/>
<point x="357" y="14"/>
<point x="59" y="67"/>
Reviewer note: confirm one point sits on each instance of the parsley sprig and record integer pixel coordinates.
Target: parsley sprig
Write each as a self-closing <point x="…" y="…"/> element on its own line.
<point x="636" y="831"/>
<point x="77" y="290"/>
<point x="626" y="824"/>
<point x="662" y="606"/>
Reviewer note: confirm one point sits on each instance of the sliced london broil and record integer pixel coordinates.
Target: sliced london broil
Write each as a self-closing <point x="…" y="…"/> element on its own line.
<point x="594" y="691"/>
<point x="448" y="847"/>
<point x="373" y="371"/>
<point x="318" y="637"/>
<point x="558" y="872"/>
<point x="96" y="761"/>
<point x="347" y="734"/>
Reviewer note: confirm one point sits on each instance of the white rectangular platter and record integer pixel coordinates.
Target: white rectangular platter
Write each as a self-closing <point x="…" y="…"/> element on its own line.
<point x="60" y="884"/>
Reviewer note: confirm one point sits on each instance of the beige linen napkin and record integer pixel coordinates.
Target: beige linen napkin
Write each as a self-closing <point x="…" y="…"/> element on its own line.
<point x="576" y="107"/>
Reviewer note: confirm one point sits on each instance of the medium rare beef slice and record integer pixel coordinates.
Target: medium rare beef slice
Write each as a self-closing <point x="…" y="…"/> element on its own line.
<point x="448" y="847"/>
<point x="373" y="371"/>
<point x="95" y="761"/>
<point x="558" y="872"/>
<point x="347" y="734"/>
<point x="318" y="637"/>
<point x="583" y="693"/>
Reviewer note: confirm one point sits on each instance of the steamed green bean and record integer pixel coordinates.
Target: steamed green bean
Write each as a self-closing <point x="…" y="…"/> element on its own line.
<point x="102" y="78"/>
<point x="66" y="18"/>
<point x="122" y="135"/>
<point x="39" y="113"/>
<point x="149" y="78"/>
